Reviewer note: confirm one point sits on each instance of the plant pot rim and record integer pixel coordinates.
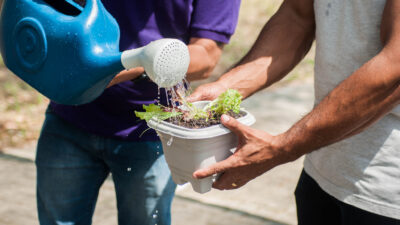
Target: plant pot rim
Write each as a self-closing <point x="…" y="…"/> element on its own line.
<point x="197" y="133"/>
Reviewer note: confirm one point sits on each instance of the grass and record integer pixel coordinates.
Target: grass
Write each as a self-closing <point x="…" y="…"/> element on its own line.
<point x="22" y="108"/>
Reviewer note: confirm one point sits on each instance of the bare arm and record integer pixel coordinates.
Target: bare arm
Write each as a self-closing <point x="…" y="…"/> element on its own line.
<point x="363" y="98"/>
<point x="282" y="43"/>
<point x="204" y="56"/>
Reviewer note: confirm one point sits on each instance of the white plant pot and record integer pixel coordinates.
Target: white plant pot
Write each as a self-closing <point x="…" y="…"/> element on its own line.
<point x="187" y="150"/>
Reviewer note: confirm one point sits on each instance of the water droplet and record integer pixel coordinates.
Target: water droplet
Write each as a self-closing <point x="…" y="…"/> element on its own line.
<point x="116" y="151"/>
<point x="156" y="211"/>
<point x="129" y="169"/>
<point x="158" y="153"/>
<point x="154" y="216"/>
<point x="166" y="96"/>
<point x="158" y="147"/>
<point x="169" y="143"/>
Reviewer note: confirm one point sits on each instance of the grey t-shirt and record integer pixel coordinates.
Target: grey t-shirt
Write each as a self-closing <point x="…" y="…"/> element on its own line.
<point x="363" y="170"/>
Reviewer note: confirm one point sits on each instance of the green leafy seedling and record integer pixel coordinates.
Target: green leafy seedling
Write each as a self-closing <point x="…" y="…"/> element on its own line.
<point x="228" y="101"/>
<point x="156" y="112"/>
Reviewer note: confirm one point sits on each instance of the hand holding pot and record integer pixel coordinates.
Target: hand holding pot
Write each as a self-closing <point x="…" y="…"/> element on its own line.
<point x="208" y="91"/>
<point x="257" y="152"/>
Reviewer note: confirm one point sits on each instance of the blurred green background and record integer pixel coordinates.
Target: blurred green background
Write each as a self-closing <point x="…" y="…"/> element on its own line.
<point x="22" y="108"/>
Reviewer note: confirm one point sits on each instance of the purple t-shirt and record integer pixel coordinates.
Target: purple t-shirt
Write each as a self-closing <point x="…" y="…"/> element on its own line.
<point x="140" y="22"/>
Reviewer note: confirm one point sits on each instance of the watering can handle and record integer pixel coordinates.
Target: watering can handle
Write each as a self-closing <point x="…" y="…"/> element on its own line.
<point x="90" y="11"/>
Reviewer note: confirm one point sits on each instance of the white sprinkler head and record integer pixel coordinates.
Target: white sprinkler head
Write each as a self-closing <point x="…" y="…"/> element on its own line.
<point x="165" y="61"/>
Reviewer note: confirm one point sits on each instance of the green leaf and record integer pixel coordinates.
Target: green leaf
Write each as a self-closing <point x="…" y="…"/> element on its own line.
<point x="230" y="100"/>
<point x="156" y="112"/>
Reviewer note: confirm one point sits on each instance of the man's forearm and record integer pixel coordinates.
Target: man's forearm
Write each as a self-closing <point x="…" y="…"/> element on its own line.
<point x="363" y="98"/>
<point x="282" y="43"/>
<point x="204" y="56"/>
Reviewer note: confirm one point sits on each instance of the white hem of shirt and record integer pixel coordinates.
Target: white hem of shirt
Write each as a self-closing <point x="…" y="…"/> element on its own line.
<point x="353" y="199"/>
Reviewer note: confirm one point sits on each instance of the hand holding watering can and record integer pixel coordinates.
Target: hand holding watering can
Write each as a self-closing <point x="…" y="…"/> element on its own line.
<point x="72" y="58"/>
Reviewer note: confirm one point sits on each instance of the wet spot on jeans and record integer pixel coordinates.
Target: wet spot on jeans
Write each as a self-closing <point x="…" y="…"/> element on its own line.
<point x="117" y="149"/>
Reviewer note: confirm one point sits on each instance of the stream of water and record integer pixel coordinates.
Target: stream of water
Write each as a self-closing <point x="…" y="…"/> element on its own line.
<point x="177" y="94"/>
<point x="176" y="97"/>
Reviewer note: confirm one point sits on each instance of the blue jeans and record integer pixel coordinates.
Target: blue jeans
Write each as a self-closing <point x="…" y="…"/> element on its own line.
<point x="72" y="165"/>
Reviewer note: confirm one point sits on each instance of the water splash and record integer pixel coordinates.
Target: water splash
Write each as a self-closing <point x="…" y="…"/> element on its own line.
<point x="158" y="96"/>
<point x="166" y="96"/>
<point x="187" y="85"/>
<point x="174" y="98"/>
<point x="169" y="143"/>
<point x="176" y="95"/>
<point x="116" y="151"/>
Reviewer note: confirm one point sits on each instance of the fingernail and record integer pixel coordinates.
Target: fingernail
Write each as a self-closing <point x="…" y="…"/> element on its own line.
<point x="225" y="118"/>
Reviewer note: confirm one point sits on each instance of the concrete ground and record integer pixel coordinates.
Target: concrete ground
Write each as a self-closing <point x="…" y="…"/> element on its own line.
<point x="18" y="205"/>
<point x="267" y="200"/>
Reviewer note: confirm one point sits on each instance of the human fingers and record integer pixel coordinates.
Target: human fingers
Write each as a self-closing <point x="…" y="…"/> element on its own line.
<point x="228" y="181"/>
<point x="208" y="91"/>
<point x="216" y="168"/>
<point x="233" y="125"/>
<point x="200" y="94"/>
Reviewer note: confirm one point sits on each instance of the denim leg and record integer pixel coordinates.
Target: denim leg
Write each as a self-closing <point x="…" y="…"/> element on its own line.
<point x="143" y="183"/>
<point x="69" y="175"/>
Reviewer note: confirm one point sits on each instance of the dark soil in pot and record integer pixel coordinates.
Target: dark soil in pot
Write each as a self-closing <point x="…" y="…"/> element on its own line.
<point x="183" y="121"/>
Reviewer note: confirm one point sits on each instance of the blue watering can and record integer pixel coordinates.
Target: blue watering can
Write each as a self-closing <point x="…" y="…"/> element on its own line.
<point x="71" y="57"/>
